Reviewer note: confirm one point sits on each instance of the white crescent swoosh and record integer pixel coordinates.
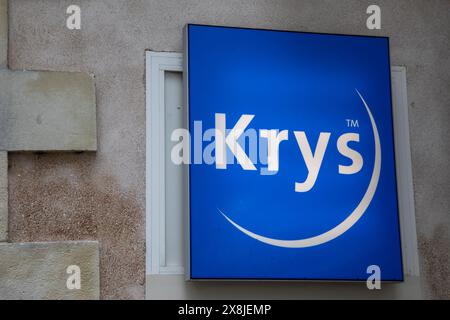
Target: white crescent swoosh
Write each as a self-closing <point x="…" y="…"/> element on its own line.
<point x="344" y="225"/>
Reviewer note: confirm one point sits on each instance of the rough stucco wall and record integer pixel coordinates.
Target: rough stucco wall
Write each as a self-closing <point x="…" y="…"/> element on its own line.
<point x="3" y="34"/>
<point x="102" y="196"/>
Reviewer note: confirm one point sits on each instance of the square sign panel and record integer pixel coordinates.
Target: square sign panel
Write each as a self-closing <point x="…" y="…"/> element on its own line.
<point x="292" y="169"/>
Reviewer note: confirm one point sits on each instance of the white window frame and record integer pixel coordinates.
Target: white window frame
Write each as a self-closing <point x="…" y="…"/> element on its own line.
<point x="157" y="63"/>
<point x="405" y="190"/>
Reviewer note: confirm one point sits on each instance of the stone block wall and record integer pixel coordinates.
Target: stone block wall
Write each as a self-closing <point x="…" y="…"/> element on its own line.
<point x="44" y="112"/>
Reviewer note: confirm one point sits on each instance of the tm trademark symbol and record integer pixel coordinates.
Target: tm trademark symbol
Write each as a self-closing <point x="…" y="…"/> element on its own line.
<point x="352" y="123"/>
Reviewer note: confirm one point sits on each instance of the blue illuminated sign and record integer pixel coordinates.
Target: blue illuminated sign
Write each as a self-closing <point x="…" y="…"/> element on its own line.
<point x="292" y="170"/>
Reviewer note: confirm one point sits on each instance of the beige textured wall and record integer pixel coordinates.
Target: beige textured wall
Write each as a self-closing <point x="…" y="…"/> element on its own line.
<point x="102" y="196"/>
